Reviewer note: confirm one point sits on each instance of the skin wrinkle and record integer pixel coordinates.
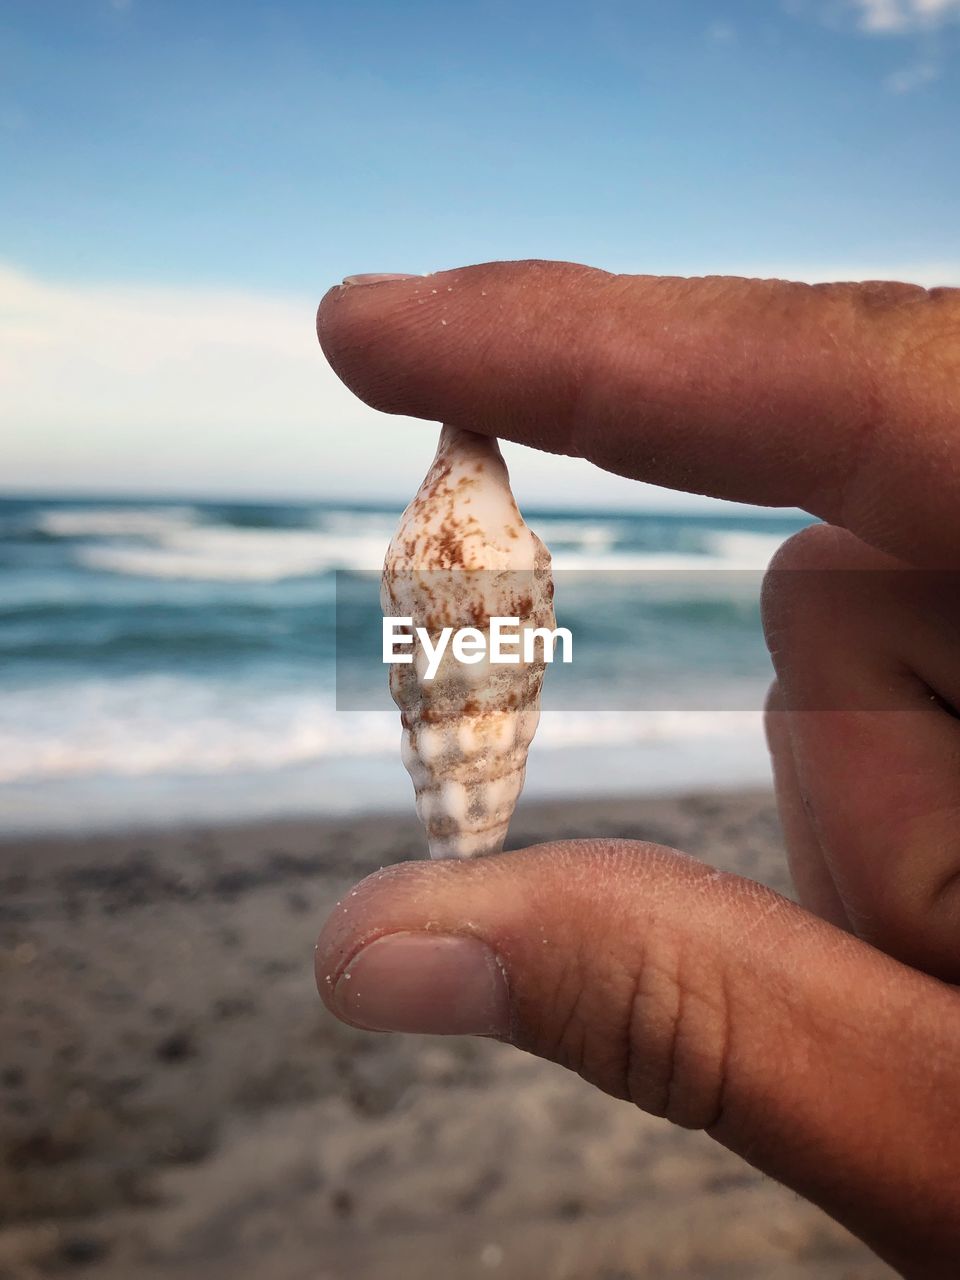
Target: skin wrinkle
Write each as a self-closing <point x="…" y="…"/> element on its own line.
<point x="724" y="1055"/>
<point x="599" y="983"/>
<point x="605" y="982"/>
<point x="632" y="1046"/>
<point x="647" y="1084"/>
<point x="696" y="1081"/>
<point x="721" y="1073"/>
<point x="776" y="905"/>
<point x="560" y="1034"/>
<point x="945" y="895"/>
<point x="674" y="1088"/>
<point x="924" y="907"/>
<point x="671" y="1081"/>
<point x="579" y="1055"/>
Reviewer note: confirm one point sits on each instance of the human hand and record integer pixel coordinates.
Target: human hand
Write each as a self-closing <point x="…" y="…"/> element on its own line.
<point x="820" y="1042"/>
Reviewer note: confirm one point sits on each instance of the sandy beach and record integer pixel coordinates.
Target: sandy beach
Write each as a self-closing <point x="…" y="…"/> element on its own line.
<point x="176" y="1102"/>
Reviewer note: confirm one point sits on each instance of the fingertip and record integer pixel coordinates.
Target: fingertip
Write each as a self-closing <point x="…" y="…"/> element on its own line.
<point x="329" y="312"/>
<point x="371" y="335"/>
<point x="426" y="346"/>
<point x="381" y="903"/>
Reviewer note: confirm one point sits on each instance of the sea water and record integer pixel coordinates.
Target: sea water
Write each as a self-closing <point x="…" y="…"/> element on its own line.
<point x="176" y="661"/>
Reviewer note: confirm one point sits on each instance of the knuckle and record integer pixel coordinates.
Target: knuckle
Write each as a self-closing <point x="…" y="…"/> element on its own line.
<point x="800" y="590"/>
<point x="808" y="548"/>
<point x="677" y="1041"/>
<point x="916" y="918"/>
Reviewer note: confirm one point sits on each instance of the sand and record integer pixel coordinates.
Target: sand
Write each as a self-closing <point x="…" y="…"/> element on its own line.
<point x="174" y="1100"/>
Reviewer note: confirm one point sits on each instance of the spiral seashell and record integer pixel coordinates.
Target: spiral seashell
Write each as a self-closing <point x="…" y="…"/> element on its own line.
<point x="461" y="556"/>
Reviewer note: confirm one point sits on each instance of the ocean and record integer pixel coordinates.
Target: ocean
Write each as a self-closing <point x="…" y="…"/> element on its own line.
<point x="175" y="662"/>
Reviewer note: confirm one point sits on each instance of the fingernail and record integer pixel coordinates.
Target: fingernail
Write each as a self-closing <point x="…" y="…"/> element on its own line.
<point x="417" y="982"/>
<point x="378" y="277"/>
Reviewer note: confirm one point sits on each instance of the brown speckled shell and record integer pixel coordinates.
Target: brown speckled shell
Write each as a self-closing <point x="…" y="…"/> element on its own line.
<point x="461" y="555"/>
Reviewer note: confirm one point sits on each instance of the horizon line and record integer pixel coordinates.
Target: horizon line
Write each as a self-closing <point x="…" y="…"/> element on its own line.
<point x="711" y="506"/>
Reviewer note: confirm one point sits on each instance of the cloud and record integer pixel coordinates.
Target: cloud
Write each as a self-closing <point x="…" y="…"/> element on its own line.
<point x="722" y="33"/>
<point x="907" y="79"/>
<point x="897" y="16"/>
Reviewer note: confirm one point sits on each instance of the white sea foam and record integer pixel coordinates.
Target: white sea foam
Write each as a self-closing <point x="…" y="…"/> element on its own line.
<point x="744" y="549"/>
<point x="644" y="562"/>
<point x="593" y="545"/>
<point x="730" y="550"/>
<point x="588" y="535"/>
<point x="171" y="545"/>
<point x="112" y="522"/>
<point x="142" y="726"/>
<point x="364" y="524"/>
<point x="137" y="726"/>
<point x="221" y="553"/>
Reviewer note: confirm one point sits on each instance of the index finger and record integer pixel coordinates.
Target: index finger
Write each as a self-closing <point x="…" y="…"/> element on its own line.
<point x="842" y="399"/>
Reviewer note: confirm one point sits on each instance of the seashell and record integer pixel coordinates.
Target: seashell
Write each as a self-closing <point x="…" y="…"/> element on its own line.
<point x="461" y="556"/>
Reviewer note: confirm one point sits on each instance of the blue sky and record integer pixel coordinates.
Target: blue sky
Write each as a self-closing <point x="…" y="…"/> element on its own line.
<point x="225" y="163"/>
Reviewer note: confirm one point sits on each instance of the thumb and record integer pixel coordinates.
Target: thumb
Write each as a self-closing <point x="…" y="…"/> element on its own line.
<point x="696" y="995"/>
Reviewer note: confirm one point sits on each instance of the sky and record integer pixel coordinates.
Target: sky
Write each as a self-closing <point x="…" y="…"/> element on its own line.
<point x="180" y="183"/>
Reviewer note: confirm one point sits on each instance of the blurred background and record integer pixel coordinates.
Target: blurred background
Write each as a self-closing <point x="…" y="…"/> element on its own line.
<point x="181" y="480"/>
